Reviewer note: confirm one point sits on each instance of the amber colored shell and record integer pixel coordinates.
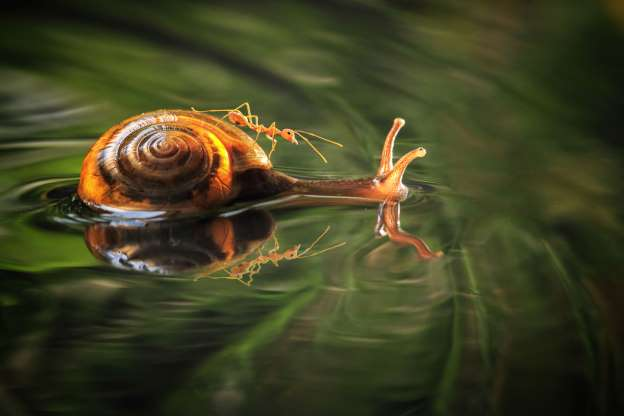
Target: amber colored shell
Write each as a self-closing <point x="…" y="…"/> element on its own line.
<point x="168" y="160"/>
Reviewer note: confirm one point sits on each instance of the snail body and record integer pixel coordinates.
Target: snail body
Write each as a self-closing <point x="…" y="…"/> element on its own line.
<point x="187" y="161"/>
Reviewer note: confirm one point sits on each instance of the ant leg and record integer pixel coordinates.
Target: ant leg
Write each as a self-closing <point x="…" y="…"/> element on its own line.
<point x="252" y="118"/>
<point x="275" y="244"/>
<point x="254" y="121"/>
<point x="390" y="216"/>
<point x="275" y="258"/>
<point x="248" y="108"/>
<point x="227" y="111"/>
<point x="273" y="253"/>
<point x="273" y="146"/>
<point x="272" y="129"/>
<point x="245" y="104"/>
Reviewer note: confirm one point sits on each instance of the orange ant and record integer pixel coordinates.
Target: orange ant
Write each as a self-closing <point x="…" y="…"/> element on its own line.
<point x="251" y="121"/>
<point x="244" y="271"/>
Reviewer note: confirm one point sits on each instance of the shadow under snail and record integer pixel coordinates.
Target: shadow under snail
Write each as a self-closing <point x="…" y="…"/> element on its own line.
<point x="179" y="161"/>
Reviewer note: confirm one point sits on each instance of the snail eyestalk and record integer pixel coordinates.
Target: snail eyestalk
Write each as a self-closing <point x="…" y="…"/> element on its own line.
<point x="386" y="185"/>
<point x="392" y="180"/>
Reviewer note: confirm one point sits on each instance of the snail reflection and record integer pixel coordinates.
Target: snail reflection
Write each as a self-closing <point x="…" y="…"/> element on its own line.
<point x="234" y="247"/>
<point x="179" y="246"/>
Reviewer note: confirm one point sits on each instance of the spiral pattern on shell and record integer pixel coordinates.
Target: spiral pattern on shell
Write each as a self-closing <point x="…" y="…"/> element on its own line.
<point x="159" y="159"/>
<point x="171" y="161"/>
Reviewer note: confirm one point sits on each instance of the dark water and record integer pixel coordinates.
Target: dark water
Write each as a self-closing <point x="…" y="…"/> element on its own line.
<point x="519" y="105"/>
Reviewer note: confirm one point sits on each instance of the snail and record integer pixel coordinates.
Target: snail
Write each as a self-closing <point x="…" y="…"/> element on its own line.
<point x="180" y="161"/>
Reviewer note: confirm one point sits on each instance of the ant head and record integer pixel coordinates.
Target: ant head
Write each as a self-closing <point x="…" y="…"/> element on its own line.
<point x="289" y="135"/>
<point x="292" y="253"/>
<point x="237" y="118"/>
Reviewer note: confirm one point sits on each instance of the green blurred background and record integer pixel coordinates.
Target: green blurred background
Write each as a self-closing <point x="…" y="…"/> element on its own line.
<point x="519" y="104"/>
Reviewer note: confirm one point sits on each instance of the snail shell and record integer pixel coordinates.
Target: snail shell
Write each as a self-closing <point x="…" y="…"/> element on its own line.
<point x="171" y="160"/>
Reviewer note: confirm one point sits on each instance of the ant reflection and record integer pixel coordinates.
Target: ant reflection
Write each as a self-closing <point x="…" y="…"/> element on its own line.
<point x="245" y="270"/>
<point x="219" y="247"/>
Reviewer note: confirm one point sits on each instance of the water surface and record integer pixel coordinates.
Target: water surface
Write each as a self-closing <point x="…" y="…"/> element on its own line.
<point x="519" y="108"/>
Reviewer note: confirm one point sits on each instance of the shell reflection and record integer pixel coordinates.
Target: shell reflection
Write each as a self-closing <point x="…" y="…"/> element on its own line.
<point x="171" y="247"/>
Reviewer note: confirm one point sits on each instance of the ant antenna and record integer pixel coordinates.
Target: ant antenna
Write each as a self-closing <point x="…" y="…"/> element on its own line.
<point x="319" y="238"/>
<point x="318" y="152"/>
<point x="320" y="137"/>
